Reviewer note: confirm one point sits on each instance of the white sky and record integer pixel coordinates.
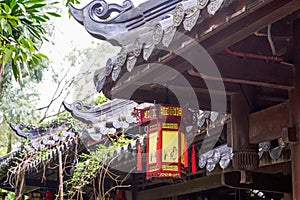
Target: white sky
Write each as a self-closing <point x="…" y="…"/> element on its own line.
<point x="68" y="34"/>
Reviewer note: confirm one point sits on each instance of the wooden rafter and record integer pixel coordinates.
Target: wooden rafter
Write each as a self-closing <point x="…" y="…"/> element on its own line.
<point x="249" y="22"/>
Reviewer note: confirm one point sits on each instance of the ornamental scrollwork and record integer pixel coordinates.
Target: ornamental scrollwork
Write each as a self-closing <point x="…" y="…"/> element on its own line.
<point x="101" y="11"/>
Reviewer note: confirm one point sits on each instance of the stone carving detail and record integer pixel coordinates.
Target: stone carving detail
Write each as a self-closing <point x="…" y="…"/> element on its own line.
<point x="27" y="132"/>
<point x="102" y="12"/>
<point x="121" y="59"/>
<point x="115" y="73"/>
<point x="100" y="84"/>
<point x="178" y="15"/>
<point x="110" y="65"/>
<point x="168" y="37"/>
<point x="137" y="47"/>
<point x="82" y="111"/>
<point x="131" y="63"/>
<point x="202" y="3"/>
<point x="167" y="30"/>
<point x="144" y="37"/>
<point x="191" y="20"/>
<point x="148" y="49"/>
<point x="221" y="154"/>
<point x="157" y="33"/>
<point x="214" y="6"/>
<point x="99" y="78"/>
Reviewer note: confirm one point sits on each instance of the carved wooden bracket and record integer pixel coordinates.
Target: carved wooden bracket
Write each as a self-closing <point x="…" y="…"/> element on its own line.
<point x="289" y="135"/>
<point x="245" y="160"/>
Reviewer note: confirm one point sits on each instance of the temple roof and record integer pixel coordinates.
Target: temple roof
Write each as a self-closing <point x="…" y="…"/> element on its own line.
<point x="111" y="111"/>
<point x="166" y="32"/>
<point x="117" y="23"/>
<point x="43" y="147"/>
<point x="142" y="29"/>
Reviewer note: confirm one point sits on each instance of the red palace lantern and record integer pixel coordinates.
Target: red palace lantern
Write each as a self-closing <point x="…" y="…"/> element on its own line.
<point x="49" y="195"/>
<point x="165" y="141"/>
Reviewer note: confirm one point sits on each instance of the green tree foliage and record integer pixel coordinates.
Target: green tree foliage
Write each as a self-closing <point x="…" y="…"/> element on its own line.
<point x="95" y="166"/>
<point x="72" y="1"/>
<point x="17" y="106"/>
<point x="23" y="28"/>
<point x="22" y="31"/>
<point x="100" y="99"/>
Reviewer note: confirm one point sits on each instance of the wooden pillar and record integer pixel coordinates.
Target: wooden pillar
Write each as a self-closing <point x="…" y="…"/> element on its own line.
<point x="60" y="176"/>
<point x="295" y="113"/>
<point x="245" y="155"/>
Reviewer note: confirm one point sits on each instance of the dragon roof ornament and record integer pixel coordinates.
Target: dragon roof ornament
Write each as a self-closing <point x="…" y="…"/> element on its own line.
<point x="116" y="23"/>
<point x="117" y="112"/>
<point x="138" y="29"/>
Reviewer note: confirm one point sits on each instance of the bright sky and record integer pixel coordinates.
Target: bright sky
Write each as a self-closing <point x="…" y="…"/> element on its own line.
<point x="68" y="34"/>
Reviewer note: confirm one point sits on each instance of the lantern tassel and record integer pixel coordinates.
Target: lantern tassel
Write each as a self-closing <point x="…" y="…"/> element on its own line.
<point x="158" y="152"/>
<point x="193" y="157"/>
<point x="49" y="195"/>
<point x="119" y="194"/>
<point x="186" y="154"/>
<point x="139" y="157"/>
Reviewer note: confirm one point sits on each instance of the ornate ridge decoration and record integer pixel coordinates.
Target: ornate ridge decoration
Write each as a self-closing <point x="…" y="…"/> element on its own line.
<point x="33" y="133"/>
<point x="86" y="113"/>
<point x="131" y="63"/>
<point x="101" y="115"/>
<point x="214" y="6"/>
<point x="110" y="65"/>
<point x="202" y="3"/>
<point x="162" y="31"/>
<point x="148" y="49"/>
<point x="191" y="20"/>
<point x="42" y="137"/>
<point x="27" y="132"/>
<point x="210" y="159"/>
<point x="105" y="120"/>
<point x="115" y="73"/>
<point x="101" y="11"/>
<point x="99" y="18"/>
<point x="46" y="139"/>
<point x="100" y="78"/>
<point x="117" y="23"/>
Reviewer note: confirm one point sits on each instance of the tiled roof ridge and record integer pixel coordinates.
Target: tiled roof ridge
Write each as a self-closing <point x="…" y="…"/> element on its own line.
<point x="160" y="31"/>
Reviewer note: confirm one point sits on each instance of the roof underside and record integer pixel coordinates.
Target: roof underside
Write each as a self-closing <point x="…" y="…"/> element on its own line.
<point x="244" y="39"/>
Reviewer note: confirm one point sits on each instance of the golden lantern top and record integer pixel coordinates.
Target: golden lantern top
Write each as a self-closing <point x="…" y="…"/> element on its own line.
<point x="159" y="111"/>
